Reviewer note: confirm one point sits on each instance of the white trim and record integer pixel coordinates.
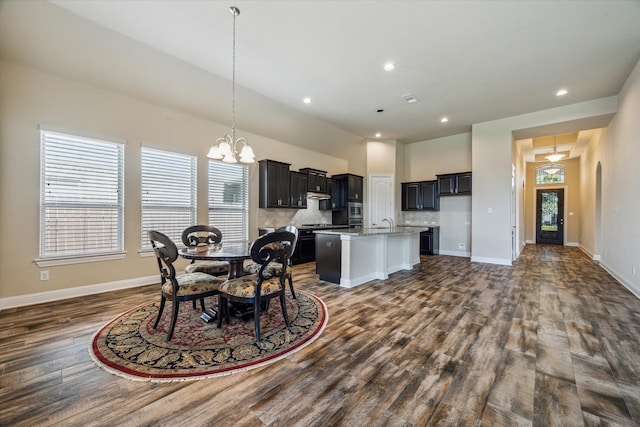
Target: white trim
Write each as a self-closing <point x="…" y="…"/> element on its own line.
<point x="78" y="291"/>
<point x="485" y="260"/>
<point x="530" y="242"/>
<point x="573" y="244"/>
<point x="454" y="253"/>
<point x="87" y="135"/>
<point x="51" y="262"/>
<point x="619" y="279"/>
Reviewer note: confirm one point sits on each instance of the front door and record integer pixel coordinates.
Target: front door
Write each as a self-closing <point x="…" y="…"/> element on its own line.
<point x="550" y="216"/>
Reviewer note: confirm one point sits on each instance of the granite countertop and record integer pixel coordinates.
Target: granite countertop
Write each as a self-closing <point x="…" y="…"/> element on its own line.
<point x="374" y="231"/>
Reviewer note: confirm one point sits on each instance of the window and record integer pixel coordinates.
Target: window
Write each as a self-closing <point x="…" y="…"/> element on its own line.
<point x="550" y="174"/>
<point x="228" y="199"/>
<point x="81" y="196"/>
<point x="168" y="194"/>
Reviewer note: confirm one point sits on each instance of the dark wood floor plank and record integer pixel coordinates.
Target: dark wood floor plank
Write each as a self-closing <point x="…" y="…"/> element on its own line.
<point x="553" y="340"/>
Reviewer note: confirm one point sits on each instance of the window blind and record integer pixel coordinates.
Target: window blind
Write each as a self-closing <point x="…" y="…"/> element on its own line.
<point x="228" y="199"/>
<point x="168" y="194"/>
<point x="81" y="195"/>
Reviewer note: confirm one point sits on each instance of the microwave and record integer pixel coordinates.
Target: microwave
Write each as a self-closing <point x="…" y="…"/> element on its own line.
<point x="354" y="210"/>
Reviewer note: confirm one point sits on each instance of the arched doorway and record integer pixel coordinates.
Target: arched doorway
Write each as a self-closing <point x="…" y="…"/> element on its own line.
<point x="597" y="232"/>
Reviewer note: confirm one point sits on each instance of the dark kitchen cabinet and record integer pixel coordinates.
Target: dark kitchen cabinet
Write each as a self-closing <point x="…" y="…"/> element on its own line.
<point x="420" y="196"/>
<point x="274" y="184"/>
<point x="329" y="259"/>
<point x="305" y="250"/>
<point x="317" y="179"/>
<point x="354" y="186"/>
<point x="430" y="241"/>
<point x="298" y="190"/>
<point x="335" y="188"/>
<point x="454" y="184"/>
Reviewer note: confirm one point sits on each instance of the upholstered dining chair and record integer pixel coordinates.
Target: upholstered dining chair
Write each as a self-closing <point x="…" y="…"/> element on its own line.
<point x="185" y="287"/>
<point x="204" y="235"/>
<point x="252" y="267"/>
<point x="269" y="251"/>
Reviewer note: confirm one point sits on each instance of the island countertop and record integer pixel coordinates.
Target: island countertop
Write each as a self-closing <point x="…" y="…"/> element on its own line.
<point x="374" y="231"/>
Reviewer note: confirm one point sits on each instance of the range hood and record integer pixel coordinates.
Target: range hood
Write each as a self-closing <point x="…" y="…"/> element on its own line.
<point x="317" y="195"/>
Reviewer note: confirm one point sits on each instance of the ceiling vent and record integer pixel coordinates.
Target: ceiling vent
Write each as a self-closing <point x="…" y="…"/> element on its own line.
<point x="410" y="98"/>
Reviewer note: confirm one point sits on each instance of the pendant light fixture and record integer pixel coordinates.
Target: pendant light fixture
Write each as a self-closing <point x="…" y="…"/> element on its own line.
<point x="555" y="156"/>
<point x="228" y="147"/>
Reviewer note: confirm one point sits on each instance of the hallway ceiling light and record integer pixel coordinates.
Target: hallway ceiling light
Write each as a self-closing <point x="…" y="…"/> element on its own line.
<point x="389" y="66"/>
<point x="226" y="148"/>
<point x="555" y="156"/>
<point x="562" y="92"/>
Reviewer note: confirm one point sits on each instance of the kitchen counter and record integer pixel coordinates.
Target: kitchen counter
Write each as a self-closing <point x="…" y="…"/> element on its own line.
<point x="374" y="231"/>
<point x="354" y="256"/>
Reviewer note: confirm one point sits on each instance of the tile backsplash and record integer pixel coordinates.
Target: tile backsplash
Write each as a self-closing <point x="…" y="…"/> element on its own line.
<point x="418" y="218"/>
<point x="281" y="217"/>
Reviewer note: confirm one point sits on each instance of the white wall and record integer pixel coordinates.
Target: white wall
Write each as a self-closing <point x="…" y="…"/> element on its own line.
<point x="491" y="164"/>
<point x="31" y="97"/>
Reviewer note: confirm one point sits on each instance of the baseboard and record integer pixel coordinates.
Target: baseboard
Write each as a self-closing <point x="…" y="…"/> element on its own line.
<point x="621" y="280"/>
<point x="455" y="253"/>
<point x="572" y="244"/>
<point x="530" y="242"/>
<point x="589" y="254"/>
<point x="60" y="294"/>
<point x="484" y="260"/>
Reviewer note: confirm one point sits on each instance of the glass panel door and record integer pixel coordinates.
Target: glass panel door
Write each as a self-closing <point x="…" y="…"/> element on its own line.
<point x="550" y="216"/>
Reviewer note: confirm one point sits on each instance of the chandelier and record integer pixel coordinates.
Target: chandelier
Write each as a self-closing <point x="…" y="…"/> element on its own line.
<point x="555" y="156"/>
<point x="228" y="148"/>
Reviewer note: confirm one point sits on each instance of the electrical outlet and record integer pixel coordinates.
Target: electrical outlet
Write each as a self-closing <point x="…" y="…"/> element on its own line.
<point x="44" y="275"/>
<point x="633" y="269"/>
<point x="460" y="245"/>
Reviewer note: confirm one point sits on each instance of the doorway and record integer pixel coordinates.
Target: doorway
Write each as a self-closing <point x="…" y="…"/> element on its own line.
<point x="381" y="203"/>
<point x="550" y="216"/>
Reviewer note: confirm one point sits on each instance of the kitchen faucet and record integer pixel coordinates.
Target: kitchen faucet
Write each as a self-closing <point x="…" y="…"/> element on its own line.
<point x="390" y="221"/>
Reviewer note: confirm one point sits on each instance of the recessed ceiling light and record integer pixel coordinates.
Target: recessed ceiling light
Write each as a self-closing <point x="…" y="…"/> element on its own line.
<point x="378" y="135"/>
<point x="306" y="100"/>
<point x="562" y="92"/>
<point x="389" y="66"/>
<point x="444" y="120"/>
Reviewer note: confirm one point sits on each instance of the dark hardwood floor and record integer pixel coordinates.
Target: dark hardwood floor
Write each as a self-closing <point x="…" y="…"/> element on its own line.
<point x="552" y="341"/>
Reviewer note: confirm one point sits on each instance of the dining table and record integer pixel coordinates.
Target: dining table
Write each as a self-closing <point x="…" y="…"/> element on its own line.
<point x="232" y="251"/>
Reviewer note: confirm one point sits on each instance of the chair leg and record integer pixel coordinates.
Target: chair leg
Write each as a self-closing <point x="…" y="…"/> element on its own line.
<point x="291" y="286"/>
<point x="201" y="304"/>
<point x="256" y="317"/>
<point x="162" y="301"/>
<point x="283" y="305"/>
<point x="174" y="317"/>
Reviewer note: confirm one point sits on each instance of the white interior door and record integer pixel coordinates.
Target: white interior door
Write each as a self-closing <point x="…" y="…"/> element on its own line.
<point x="381" y="199"/>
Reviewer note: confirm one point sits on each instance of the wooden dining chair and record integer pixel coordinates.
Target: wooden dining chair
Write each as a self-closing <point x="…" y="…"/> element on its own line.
<point x="252" y="267"/>
<point x="203" y="234"/>
<point x="269" y="251"/>
<point x="184" y="287"/>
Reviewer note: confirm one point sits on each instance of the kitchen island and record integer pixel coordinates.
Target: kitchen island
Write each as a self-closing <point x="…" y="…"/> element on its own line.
<point x="351" y="256"/>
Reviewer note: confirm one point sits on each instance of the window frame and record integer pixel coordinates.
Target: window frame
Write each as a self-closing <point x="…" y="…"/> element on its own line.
<point x="170" y="172"/>
<point x="52" y="153"/>
<point x="540" y="172"/>
<point x="214" y="190"/>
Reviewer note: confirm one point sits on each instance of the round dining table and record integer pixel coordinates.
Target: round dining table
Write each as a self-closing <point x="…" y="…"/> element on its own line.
<point x="232" y="251"/>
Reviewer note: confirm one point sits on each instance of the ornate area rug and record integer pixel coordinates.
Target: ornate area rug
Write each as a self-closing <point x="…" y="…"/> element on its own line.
<point x="128" y="345"/>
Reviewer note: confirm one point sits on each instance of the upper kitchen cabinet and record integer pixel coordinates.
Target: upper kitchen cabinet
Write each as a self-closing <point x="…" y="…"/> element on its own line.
<point x="354" y="186"/>
<point x="298" y="190"/>
<point x="274" y="184"/>
<point x="454" y="184"/>
<point x="420" y="196"/>
<point x="316" y="179"/>
<point x="337" y="202"/>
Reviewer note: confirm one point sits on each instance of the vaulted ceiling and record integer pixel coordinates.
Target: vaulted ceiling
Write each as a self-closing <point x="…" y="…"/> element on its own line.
<point x="469" y="61"/>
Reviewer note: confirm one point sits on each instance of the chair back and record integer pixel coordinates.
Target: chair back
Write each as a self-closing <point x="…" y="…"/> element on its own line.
<point x="275" y="247"/>
<point x="166" y="253"/>
<point x="292" y="229"/>
<point x="201" y="234"/>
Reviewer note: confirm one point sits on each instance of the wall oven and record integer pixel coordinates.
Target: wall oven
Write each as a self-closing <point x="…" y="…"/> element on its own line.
<point x="354" y="210"/>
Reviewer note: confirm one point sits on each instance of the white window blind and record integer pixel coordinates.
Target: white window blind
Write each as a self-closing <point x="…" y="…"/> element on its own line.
<point x="168" y="194"/>
<point x="228" y="199"/>
<point x="81" y="196"/>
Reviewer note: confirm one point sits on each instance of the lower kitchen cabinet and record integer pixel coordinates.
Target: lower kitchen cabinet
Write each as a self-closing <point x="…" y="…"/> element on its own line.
<point x="306" y="248"/>
<point x="329" y="253"/>
<point x="430" y="241"/>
